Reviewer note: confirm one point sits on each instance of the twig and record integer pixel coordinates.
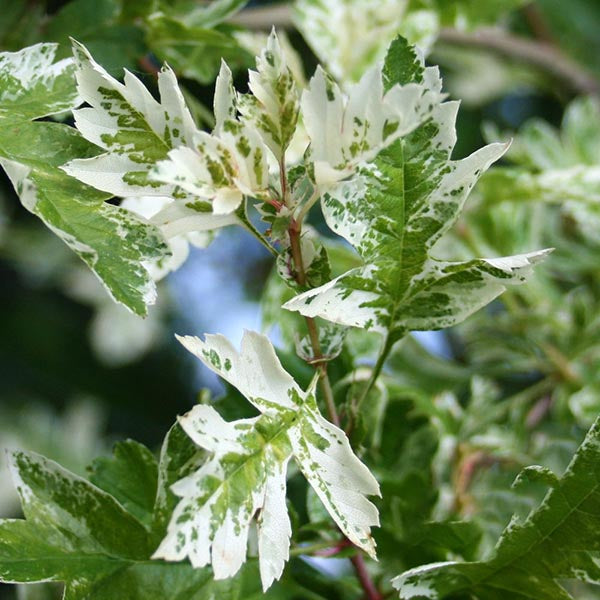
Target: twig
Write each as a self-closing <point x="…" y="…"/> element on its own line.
<point x="560" y="362"/>
<point x="539" y="54"/>
<point x="360" y="568"/>
<point x="357" y="402"/>
<point x="309" y="549"/>
<point x="294" y="232"/>
<point x="537" y="23"/>
<point x="538" y="412"/>
<point x="264" y="17"/>
<point x="469" y="465"/>
<point x="358" y="561"/>
<point x="313" y="331"/>
<point x="334" y="550"/>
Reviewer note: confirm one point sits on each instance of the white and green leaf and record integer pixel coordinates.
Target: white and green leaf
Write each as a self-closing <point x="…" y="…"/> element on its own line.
<point x="272" y="107"/>
<point x="350" y="36"/>
<point x="31" y="154"/>
<point x="556" y="542"/>
<point x="248" y="461"/>
<point x="32" y="85"/>
<point x="394" y="211"/>
<point x="223" y="166"/>
<point x="134" y="130"/>
<point x="558" y="166"/>
<point x="80" y="534"/>
<point x="345" y="131"/>
<point x="62" y="521"/>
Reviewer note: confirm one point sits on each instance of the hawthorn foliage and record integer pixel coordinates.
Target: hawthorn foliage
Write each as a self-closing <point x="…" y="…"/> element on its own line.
<point x="385" y="452"/>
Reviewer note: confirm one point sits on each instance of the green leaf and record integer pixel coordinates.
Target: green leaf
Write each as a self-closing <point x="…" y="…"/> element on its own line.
<point x="115" y="42"/>
<point x="130" y="476"/>
<point x="194" y="51"/>
<point x="77" y="533"/>
<point x="133" y="9"/>
<point x="471" y="13"/>
<point x="557" y="541"/>
<point x="153" y="580"/>
<point x="246" y="469"/>
<point x="194" y="15"/>
<point x="32" y="85"/>
<point x="110" y="240"/>
<point x="394" y="211"/>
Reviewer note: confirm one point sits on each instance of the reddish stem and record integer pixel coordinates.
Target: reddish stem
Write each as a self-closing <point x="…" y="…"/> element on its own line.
<point x="278" y="205"/>
<point x="328" y="552"/>
<point x="371" y="592"/>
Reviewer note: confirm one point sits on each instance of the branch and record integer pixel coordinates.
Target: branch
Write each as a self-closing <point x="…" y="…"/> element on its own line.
<point x="542" y="55"/>
<point x="294" y="231"/>
<point x="264" y="17"/>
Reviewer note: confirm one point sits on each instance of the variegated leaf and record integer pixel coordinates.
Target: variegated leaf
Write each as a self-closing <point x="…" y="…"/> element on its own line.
<point x="182" y="224"/>
<point x="113" y="242"/>
<point x="248" y="459"/>
<point x="133" y="128"/>
<point x="225" y="165"/>
<point x="272" y="107"/>
<point x="331" y="344"/>
<point x="91" y="536"/>
<point x="137" y="132"/>
<point x="557" y="166"/>
<point x="394" y="211"/>
<point x="346" y="131"/>
<point x="534" y="556"/>
<point x="32" y="85"/>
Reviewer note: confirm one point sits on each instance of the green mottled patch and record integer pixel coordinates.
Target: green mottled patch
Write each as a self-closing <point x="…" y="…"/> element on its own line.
<point x="243" y="146"/>
<point x="258" y="170"/>
<point x="31" y="86"/>
<point x="112" y="241"/>
<point x="217" y="172"/>
<point x="393" y="212"/>
<point x="199" y="206"/>
<point x="214" y="359"/>
<point x="140" y="179"/>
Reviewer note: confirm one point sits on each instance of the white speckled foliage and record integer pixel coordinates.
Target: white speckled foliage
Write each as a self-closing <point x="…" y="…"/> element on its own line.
<point x="395" y="208"/>
<point x="375" y="151"/>
<point x="246" y="468"/>
<point x="132" y="128"/>
<point x="112" y="241"/>
<point x="136" y="132"/>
